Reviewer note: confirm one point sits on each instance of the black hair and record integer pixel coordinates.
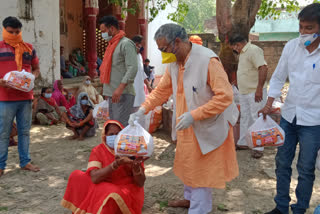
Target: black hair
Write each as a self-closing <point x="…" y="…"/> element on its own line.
<point x="43" y="90"/>
<point x="236" y="39"/>
<point x="310" y="13"/>
<point x="137" y="39"/>
<point x="109" y="21"/>
<point x="146" y="60"/>
<point x="12" y="22"/>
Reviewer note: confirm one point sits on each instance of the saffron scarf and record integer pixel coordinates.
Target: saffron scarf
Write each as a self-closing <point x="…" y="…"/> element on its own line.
<point x="105" y="68"/>
<point x="17" y="43"/>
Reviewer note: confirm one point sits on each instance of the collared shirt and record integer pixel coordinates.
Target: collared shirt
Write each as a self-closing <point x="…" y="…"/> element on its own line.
<point x="250" y="59"/>
<point x="303" y="70"/>
<point x="8" y="63"/>
<point x="123" y="69"/>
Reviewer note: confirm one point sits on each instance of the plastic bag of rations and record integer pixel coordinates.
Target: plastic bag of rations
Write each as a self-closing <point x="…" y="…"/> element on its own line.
<point x="134" y="141"/>
<point x="101" y="111"/>
<point x="20" y="80"/>
<point x="265" y="133"/>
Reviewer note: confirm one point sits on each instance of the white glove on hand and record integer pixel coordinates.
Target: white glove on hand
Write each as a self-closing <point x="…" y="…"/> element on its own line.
<point x="136" y="116"/>
<point x="185" y="121"/>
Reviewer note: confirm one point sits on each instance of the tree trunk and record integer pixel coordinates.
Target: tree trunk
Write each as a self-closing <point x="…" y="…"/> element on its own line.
<point x="238" y="19"/>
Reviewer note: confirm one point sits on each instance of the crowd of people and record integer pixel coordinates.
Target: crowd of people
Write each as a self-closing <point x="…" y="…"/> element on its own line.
<point x="204" y="113"/>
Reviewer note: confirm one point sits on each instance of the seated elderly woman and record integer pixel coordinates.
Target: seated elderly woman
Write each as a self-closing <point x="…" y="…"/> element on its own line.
<point x="87" y="87"/>
<point x="111" y="184"/>
<point x="80" y="119"/>
<point x="47" y="110"/>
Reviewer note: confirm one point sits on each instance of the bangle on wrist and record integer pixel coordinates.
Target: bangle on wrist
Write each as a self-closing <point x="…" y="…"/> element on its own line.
<point x="137" y="173"/>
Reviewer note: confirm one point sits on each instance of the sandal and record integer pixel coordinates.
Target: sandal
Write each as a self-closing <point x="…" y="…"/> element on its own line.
<point x="179" y="203"/>
<point x="256" y="154"/>
<point x="13" y="142"/>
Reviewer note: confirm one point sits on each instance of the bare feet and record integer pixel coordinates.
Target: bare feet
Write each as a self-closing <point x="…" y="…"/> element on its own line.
<point x="1" y="172"/>
<point x="179" y="203"/>
<point x="31" y="168"/>
<point x="74" y="137"/>
<point x="256" y="154"/>
<point x="81" y="138"/>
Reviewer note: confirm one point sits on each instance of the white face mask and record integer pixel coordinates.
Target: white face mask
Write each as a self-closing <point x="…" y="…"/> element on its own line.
<point x="307" y="39"/>
<point x="110" y="141"/>
<point x="47" y="95"/>
<point x="106" y="36"/>
<point x="88" y="82"/>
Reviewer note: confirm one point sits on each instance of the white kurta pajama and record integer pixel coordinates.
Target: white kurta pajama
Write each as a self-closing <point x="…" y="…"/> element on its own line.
<point x="250" y="59"/>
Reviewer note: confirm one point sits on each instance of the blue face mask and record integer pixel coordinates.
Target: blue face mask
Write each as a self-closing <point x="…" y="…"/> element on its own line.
<point x="84" y="102"/>
<point x="47" y="95"/>
<point x="110" y="141"/>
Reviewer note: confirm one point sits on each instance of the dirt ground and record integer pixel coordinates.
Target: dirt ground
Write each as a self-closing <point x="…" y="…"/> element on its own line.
<point x="40" y="193"/>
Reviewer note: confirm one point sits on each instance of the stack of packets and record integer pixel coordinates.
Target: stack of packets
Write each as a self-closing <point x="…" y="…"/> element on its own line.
<point x="269" y="137"/>
<point x="20" y="80"/>
<point x="134" y="141"/>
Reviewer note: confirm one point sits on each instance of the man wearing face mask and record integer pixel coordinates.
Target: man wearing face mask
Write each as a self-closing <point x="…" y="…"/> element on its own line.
<point x="15" y="55"/>
<point x="300" y="63"/>
<point x="205" y="156"/>
<point x="251" y="79"/>
<point x="140" y="80"/>
<point x="118" y="70"/>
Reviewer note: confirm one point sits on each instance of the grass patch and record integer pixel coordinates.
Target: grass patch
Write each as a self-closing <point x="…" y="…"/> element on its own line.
<point x="4" y="209"/>
<point x="163" y="204"/>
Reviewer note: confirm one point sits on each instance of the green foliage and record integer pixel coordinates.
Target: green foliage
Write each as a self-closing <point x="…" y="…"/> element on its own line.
<point x="198" y="11"/>
<point x="191" y="14"/>
<point x="274" y="8"/>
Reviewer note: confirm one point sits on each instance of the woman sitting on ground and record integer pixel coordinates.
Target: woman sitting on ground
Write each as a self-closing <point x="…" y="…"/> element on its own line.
<point x="111" y="184"/>
<point x="80" y="119"/>
<point x="47" y="110"/>
<point x="87" y="87"/>
<point x="59" y="95"/>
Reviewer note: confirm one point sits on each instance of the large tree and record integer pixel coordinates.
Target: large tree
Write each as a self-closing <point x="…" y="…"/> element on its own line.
<point x="239" y="16"/>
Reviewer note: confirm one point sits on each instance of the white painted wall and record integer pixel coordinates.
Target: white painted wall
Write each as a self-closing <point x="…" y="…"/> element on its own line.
<point x="153" y="53"/>
<point x="42" y="32"/>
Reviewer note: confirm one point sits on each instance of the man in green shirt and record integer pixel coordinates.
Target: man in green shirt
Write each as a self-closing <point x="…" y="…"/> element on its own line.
<point x="118" y="70"/>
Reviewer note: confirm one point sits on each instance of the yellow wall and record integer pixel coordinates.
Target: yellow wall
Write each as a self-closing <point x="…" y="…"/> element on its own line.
<point x="73" y="15"/>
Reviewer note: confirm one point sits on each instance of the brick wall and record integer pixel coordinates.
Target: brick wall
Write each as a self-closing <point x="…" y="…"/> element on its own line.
<point x="272" y="52"/>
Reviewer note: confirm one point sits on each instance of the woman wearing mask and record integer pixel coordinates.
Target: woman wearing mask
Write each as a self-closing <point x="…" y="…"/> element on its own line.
<point x="111" y="184"/>
<point x="80" y="119"/>
<point x="88" y="88"/>
<point x="47" y="110"/>
<point x="59" y="95"/>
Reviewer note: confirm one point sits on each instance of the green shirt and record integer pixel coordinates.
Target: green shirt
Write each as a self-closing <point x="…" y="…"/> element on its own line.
<point x="124" y="68"/>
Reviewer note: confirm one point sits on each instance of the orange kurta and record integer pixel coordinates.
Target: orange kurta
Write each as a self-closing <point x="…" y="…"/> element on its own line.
<point x="190" y="165"/>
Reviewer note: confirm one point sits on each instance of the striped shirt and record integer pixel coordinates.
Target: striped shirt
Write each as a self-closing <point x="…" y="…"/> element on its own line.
<point x="8" y="63"/>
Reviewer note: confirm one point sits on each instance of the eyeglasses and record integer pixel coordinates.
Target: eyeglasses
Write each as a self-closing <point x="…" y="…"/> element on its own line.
<point x="164" y="49"/>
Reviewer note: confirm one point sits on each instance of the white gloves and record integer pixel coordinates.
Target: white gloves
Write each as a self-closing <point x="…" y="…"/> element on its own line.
<point x="136" y="116"/>
<point x="185" y="121"/>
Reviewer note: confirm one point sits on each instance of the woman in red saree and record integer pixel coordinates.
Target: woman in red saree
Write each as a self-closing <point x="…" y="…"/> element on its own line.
<point x="111" y="184"/>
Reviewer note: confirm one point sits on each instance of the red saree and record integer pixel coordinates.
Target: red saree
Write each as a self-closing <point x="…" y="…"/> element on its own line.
<point x="120" y="195"/>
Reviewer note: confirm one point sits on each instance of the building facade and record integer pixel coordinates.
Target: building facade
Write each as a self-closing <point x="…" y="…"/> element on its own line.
<point x="49" y="24"/>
